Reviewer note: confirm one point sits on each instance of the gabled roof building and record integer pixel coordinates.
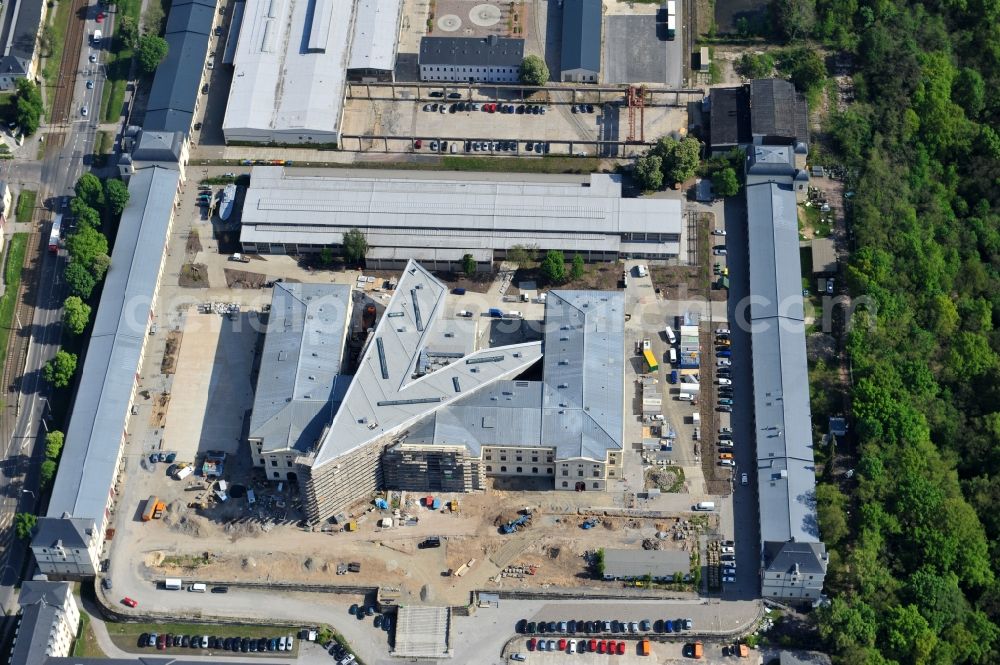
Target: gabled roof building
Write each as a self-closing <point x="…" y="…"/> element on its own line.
<point x="299" y="384"/>
<point x="19" y="57"/>
<point x="581" y="41"/>
<point x="793" y="558"/>
<point x="48" y="622"/>
<point x="471" y="59"/>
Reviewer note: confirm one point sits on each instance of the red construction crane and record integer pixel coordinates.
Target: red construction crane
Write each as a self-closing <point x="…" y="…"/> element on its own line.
<point x="636" y="98"/>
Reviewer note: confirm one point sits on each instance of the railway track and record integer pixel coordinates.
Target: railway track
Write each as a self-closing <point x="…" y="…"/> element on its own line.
<point x="62" y="103"/>
<point x="24" y="313"/>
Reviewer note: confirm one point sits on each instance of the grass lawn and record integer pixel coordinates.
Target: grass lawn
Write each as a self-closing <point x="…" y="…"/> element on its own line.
<point x="117" y="63"/>
<point x="25" y="205"/>
<point x="126" y="635"/>
<point x="12" y="279"/>
<point x="58" y="25"/>
<point x="85" y="645"/>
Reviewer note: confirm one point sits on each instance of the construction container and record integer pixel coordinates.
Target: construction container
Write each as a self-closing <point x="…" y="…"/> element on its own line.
<point x="644" y="648"/>
<point x="150" y="510"/>
<point x="453" y="506"/>
<point x="435" y="504"/>
<point x="351" y="526"/>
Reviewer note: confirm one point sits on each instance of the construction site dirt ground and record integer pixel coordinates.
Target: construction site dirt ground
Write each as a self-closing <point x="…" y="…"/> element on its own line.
<point x="187" y="545"/>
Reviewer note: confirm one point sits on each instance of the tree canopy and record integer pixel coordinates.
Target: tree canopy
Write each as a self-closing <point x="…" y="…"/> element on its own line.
<point x="116" y="193"/>
<point x="90" y="191"/>
<point x="725" y="183"/>
<point x="534" y="71"/>
<point x="59" y="371"/>
<point x="577" y="268"/>
<point x="76" y="314"/>
<point x="355" y="247"/>
<point x="24" y="524"/>
<point x="80" y="280"/>
<point x="28" y="106"/>
<point x="680" y="159"/>
<point x="553" y="268"/>
<point x="468" y="265"/>
<point x="649" y="172"/>
<point x="913" y="567"/>
<point x="54" y="444"/>
<point x="151" y="51"/>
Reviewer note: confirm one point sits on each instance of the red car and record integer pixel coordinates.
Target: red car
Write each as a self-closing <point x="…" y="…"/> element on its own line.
<point x="128" y="601"/>
<point x="418" y="144"/>
<point x="562" y="645"/>
<point x="161" y="642"/>
<point x="621" y="649"/>
<point x="531" y="644"/>
<point x="100" y="17"/>
<point x="592" y="646"/>
<point x="602" y="647"/>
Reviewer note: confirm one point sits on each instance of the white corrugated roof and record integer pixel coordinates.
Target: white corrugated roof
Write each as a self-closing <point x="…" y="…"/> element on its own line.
<point x="485" y="210"/>
<point x="376" y="29"/>
<point x="289" y="67"/>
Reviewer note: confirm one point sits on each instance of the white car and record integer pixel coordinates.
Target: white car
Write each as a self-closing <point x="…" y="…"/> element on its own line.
<point x="204" y="641"/>
<point x="726" y="462"/>
<point x="723" y="362"/>
<point x="718" y="232"/>
<point x="744" y="479"/>
<point x="725" y="382"/>
<point x="720" y="251"/>
<point x="725" y="443"/>
<point x="84" y="111"/>
<point x="727" y="549"/>
<point x="722" y="331"/>
<point x="572" y="646"/>
<point x="518" y="656"/>
<point x="728" y="579"/>
<point x="725" y="430"/>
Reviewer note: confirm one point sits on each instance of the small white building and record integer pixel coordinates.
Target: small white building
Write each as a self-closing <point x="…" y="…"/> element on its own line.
<point x="48" y="623"/>
<point x="471" y="59"/>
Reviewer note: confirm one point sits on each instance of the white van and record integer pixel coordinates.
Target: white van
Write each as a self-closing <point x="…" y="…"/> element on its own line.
<point x="641" y="270"/>
<point x="671" y="337"/>
<point x="173" y="584"/>
<point x="514" y="314"/>
<point x="197" y="587"/>
<point x="686" y="397"/>
<point x="704" y="505"/>
<point x="673" y="356"/>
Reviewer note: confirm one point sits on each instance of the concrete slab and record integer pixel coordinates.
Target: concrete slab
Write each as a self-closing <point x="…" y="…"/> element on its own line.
<point x="211" y="389"/>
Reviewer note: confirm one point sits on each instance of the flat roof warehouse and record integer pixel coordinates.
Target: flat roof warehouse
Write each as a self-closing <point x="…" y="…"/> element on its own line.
<point x="468" y="212"/>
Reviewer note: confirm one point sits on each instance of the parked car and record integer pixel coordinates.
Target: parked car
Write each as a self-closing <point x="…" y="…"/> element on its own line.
<point x="129" y="602"/>
<point x="161" y="642"/>
<point x="727" y="462"/>
<point x="722" y="331"/>
<point x="723" y="381"/>
<point x="744" y="479"/>
<point x="728" y="579"/>
<point x="725" y="401"/>
<point x="723" y="362"/>
<point x="718" y="232"/>
<point x="720" y="251"/>
<point x="724" y="408"/>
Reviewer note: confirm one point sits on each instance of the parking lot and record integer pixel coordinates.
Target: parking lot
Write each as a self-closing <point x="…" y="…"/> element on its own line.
<point x="561" y="124"/>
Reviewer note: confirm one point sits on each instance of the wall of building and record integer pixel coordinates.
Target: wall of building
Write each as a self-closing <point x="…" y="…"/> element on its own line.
<point x="70" y="562"/>
<point x="792" y="586"/>
<point x="579" y="76"/>
<point x="333" y="487"/>
<point x="463" y="73"/>
<point x="431" y="469"/>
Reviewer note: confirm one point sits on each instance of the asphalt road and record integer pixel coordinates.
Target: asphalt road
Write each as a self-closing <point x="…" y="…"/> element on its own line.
<point x="55" y="177"/>
<point x="744" y="503"/>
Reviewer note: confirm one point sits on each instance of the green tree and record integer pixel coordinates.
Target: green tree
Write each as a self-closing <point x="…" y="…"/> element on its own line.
<point x="534" y="71"/>
<point x="151" y="51"/>
<point x="54" y="444"/>
<point x="522" y="255"/>
<point x="126" y="30"/>
<point x="28" y="106"/>
<point x="24" y="524"/>
<point x="649" y="172"/>
<point x="793" y="19"/>
<point x="88" y="218"/>
<point x="680" y="158"/>
<point x="807" y="70"/>
<point x="46" y="473"/>
<point x="577" y="269"/>
<point x="116" y="193"/>
<point x="469" y="265"/>
<point x="725" y="182"/>
<point x="90" y="190"/>
<point x="553" y="268"/>
<point x="76" y="314"/>
<point x="355" y="247"/>
<point x="326" y="256"/>
<point x="968" y="90"/>
<point x="599" y="562"/>
<point x="80" y="280"/>
<point x="755" y="65"/>
<point x="86" y="245"/>
<point x="59" y="371"/>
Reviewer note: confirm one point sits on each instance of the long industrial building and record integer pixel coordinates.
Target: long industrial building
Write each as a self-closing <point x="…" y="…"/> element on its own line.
<point x="68" y="539"/>
<point x="406" y="215"/>
<point x="793" y="558"/>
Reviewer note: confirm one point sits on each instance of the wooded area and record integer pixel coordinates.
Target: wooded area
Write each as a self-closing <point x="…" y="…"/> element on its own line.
<point x="914" y="535"/>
